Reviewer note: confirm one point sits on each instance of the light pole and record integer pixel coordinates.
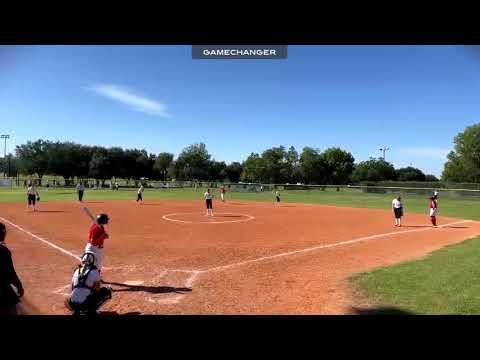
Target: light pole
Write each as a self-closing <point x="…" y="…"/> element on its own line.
<point x="383" y="150"/>
<point x="5" y="137"/>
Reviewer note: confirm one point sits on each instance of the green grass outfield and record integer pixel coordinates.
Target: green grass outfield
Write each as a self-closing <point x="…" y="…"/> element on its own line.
<point x="456" y="208"/>
<point x="445" y="282"/>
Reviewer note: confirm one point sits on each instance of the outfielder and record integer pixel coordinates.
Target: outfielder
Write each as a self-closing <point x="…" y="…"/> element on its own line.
<point x="140" y="194"/>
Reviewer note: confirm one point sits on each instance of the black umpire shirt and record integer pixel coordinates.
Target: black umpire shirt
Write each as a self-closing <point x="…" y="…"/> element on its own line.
<point x="8" y="276"/>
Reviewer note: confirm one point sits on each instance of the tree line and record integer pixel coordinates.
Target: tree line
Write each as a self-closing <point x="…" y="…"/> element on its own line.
<point x="274" y="165"/>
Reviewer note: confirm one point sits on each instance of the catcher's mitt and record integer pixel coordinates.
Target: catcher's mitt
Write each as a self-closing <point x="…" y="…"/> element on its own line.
<point x="38" y="198"/>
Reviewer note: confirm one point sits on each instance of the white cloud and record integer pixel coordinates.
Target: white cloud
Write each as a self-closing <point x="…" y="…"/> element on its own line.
<point x="128" y="97"/>
<point x="424" y="152"/>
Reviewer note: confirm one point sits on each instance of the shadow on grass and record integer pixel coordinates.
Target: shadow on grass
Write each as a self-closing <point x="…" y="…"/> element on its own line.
<point x="381" y="310"/>
<point x="148" y="289"/>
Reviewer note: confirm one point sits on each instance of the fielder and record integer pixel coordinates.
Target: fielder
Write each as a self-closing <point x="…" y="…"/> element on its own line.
<point x="433" y="207"/>
<point x="140" y="194"/>
<point x="96" y="237"/>
<point x="32" y="196"/>
<point x="87" y="294"/>
<point x="277" y="196"/>
<point x="208" y="202"/>
<point x="222" y="193"/>
<point x="397" y="208"/>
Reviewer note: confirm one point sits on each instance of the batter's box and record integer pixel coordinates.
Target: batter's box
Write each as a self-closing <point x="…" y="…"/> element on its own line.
<point x="171" y="286"/>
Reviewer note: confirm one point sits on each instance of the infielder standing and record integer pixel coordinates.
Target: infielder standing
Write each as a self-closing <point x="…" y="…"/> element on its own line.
<point x="32" y="196"/>
<point x="397" y="208"/>
<point x="96" y="238"/>
<point x="209" y="202"/>
<point x="433" y="207"/>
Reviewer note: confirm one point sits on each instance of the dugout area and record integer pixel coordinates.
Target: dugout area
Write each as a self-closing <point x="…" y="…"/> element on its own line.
<point x="251" y="258"/>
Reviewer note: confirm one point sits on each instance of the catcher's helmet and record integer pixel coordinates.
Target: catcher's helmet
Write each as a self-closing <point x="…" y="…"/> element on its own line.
<point x="102" y="219"/>
<point x="88" y="258"/>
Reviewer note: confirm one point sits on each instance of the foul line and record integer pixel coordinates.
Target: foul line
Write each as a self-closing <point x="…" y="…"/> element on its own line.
<point x="66" y="252"/>
<point x="348" y="242"/>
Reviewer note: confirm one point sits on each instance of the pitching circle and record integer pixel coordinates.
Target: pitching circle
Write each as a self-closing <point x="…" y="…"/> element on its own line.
<point x="207" y="219"/>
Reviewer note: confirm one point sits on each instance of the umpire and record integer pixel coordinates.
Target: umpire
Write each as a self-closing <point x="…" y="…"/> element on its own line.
<point x="8" y="297"/>
<point x="80" y="190"/>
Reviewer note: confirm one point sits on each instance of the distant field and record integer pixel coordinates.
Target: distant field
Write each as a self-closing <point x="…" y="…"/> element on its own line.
<point x="459" y="208"/>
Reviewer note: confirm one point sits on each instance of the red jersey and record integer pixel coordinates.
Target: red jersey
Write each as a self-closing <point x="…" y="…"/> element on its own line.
<point x="97" y="235"/>
<point x="433" y="204"/>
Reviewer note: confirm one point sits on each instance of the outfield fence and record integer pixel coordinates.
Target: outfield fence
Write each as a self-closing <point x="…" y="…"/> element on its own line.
<point x="470" y="192"/>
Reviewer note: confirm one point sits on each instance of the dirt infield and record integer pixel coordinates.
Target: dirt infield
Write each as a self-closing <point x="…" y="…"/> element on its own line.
<point x="166" y="257"/>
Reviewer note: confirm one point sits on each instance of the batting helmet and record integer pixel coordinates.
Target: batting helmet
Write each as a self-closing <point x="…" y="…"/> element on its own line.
<point x="102" y="219"/>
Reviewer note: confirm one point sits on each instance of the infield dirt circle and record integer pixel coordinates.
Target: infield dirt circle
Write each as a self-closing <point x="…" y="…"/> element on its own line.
<point x="167" y="257"/>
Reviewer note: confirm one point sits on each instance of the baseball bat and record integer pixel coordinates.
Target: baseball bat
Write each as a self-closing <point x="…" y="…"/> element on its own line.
<point x="89" y="214"/>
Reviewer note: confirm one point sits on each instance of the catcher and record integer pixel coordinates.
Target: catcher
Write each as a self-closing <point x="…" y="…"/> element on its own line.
<point x="87" y="294"/>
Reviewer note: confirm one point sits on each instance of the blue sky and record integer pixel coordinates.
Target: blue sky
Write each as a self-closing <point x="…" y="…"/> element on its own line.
<point x="414" y="99"/>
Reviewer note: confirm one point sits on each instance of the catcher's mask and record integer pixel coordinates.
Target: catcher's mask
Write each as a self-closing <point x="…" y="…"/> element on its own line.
<point x="102" y="219"/>
<point x="88" y="259"/>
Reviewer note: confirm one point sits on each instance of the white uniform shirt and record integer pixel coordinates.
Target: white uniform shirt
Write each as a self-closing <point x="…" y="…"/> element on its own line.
<point x="31" y="190"/>
<point x="396" y="204"/>
<point x="207" y="196"/>
<point x="140" y="191"/>
<point x="80" y="187"/>
<point x="79" y="295"/>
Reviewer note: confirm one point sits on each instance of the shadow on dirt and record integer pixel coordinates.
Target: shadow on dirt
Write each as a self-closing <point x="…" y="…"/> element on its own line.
<point x="416" y="226"/>
<point x="382" y="310"/>
<point x="114" y="313"/>
<point x="148" y="289"/>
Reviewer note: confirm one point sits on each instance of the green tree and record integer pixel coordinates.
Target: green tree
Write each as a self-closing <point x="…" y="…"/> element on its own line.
<point x="33" y="157"/>
<point x="374" y="170"/>
<point x="193" y="162"/>
<point x="410" y="173"/>
<point x="216" y="170"/>
<point x="463" y="163"/>
<point x="276" y="166"/>
<point x="339" y="165"/>
<point x="254" y="169"/>
<point x="162" y="163"/>
<point x="312" y="167"/>
<point x="431" y="178"/>
<point x="233" y="171"/>
<point x="100" y="165"/>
